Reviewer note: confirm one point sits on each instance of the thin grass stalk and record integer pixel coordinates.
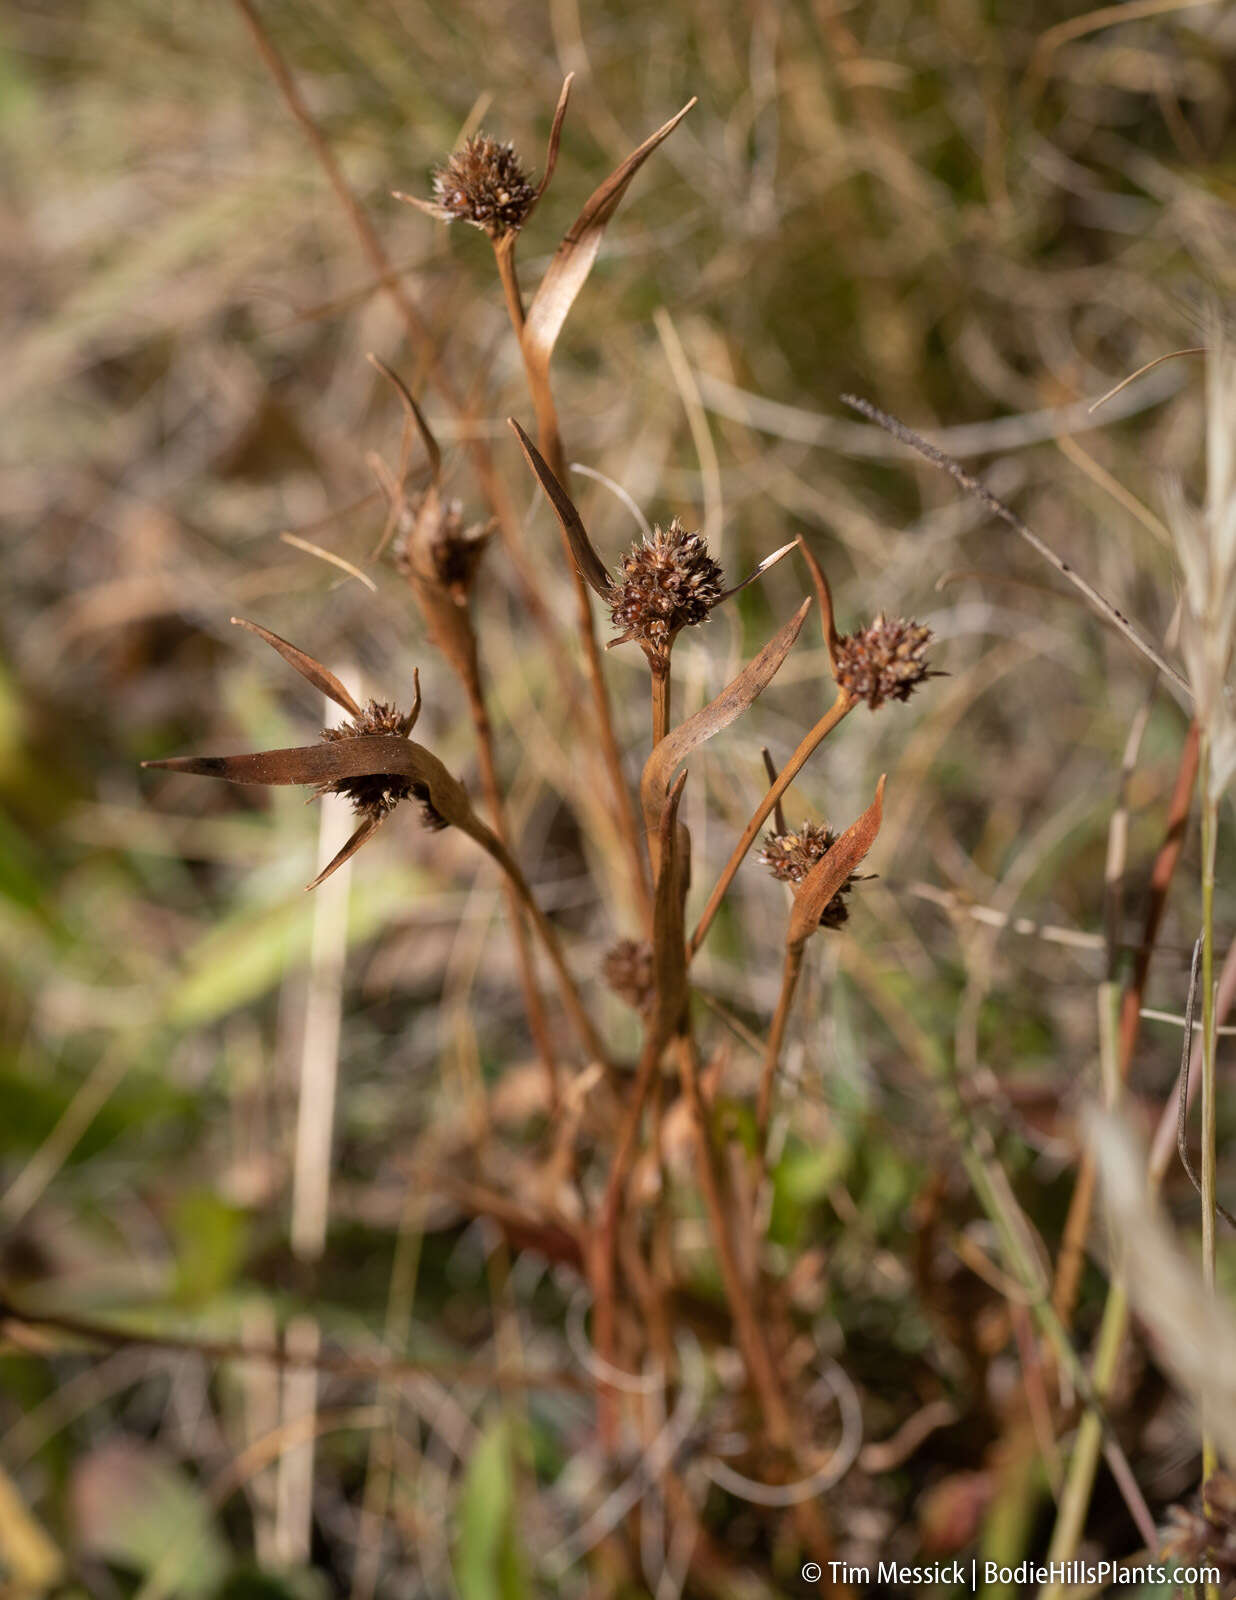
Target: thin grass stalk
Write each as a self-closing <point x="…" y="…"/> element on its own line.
<point x="504" y="255"/>
<point x="844" y="703"/>
<point x="1071" y="1256"/>
<point x="1210" y="828"/>
<point x="790" y="973"/>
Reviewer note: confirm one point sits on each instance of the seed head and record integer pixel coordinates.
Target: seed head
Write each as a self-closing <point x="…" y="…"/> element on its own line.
<point x="376" y="795"/>
<point x="668" y="582"/>
<point x="884" y="661"/>
<point x="485" y="184"/>
<point x="791" y="856"/>
<point x="437" y="539"/>
<point x="628" y="971"/>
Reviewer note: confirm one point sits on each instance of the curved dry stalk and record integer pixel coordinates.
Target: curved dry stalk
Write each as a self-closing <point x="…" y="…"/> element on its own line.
<point x="843" y="704"/>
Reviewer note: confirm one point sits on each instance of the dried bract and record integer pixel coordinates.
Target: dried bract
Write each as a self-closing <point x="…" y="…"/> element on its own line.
<point x="628" y="971"/>
<point x="884" y="661"/>
<point x="484" y="183"/>
<point x="791" y="856"/>
<point x="668" y="583"/>
<point x="438" y="545"/>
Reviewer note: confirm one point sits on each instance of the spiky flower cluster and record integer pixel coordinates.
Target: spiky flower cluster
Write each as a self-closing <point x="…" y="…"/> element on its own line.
<point x="628" y="971"/>
<point x="484" y="183"/>
<point x="668" y="582"/>
<point x="376" y="795"/>
<point x="884" y="661"/>
<point x="791" y="856"/>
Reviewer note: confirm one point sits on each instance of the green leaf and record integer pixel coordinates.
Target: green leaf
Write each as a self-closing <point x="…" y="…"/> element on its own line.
<point x="488" y="1561"/>
<point x="210" y="1245"/>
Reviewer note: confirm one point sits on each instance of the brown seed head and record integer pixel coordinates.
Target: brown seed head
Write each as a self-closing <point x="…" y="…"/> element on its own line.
<point x="884" y="661"/>
<point x="791" y="856"/>
<point x="628" y="971"/>
<point x="376" y="795"/>
<point x="484" y="184"/>
<point x="437" y="539"/>
<point x="668" y="582"/>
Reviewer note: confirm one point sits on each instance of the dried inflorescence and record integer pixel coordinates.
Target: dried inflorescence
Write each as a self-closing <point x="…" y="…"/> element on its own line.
<point x="1204" y="1534"/>
<point x="484" y="183"/>
<point x="668" y="582"/>
<point x="628" y="970"/>
<point x="884" y="661"/>
<point x="791" y="856"/>
<point x="438" y="539"/>
<point x="375" y="795"/>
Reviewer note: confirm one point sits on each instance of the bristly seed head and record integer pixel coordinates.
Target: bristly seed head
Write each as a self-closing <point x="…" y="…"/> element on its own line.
<point x="376" y="795"/>
<point x="628" y="971"/>
<point x="668" y="582"/>
<point x="485" y="184"/>
<point x="884" y="661"/>
<point x="791" y="856"/>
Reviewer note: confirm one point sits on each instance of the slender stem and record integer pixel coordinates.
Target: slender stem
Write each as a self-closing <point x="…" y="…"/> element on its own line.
<point x="761" y="1368"/>
<point x="840" y="706"/>
<point x="1210" y="820"/>
<point x="537" y="1023"/>
<point x="772" y="1055"/>
<point x="504" y="255"/>
<point x="660" y="699"/>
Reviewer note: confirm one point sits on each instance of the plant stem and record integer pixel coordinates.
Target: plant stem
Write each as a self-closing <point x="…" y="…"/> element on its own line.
<point x="840" y="706"/>
<point x="660" y="699"/>
<point x="772" y="1055"/>
<point x="1210" y="819"/>
<point x="761" y="1368"/>
<point x="504" y="255"/>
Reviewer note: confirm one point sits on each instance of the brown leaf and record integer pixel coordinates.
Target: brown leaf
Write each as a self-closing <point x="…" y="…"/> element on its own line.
<point x="414" y="414"/>
<point x="827" y="620"/>
<point x="591" y="567"/>
<point x="730" y="704"/>
<point x="367" y="756"/>
<point x="568" y="271"/>
<point x="669" y="950"/>
<point x="326" y="682"/>
<point x="770" y="767"/>
<point x="555" y="139"/>
<point x="831" y="871"/>
<point x="366" y="831"/>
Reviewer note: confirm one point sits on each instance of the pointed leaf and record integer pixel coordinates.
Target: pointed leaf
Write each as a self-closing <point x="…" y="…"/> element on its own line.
<point x="831" y="871"/>
<point x="770" y="767"/>
<point x="366" y="830"/>
<point x="591" y="567"/>
<point x="764" y="566"/>
<point x="555" y="139"/>
<point x="322" y="680"/>
<point x="568" y="271"/>
<point x="734" y="699"/>
<point x="827" y="620"/>
<point x="414" y="413"/>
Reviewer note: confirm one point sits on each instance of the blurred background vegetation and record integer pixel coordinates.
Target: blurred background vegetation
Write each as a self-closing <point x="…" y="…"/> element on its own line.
<point x="981" y="215"/>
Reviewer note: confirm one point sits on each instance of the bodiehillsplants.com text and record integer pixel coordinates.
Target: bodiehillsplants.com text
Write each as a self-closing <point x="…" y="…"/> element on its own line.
<point x="1026" y="1573"/>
